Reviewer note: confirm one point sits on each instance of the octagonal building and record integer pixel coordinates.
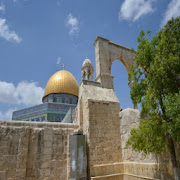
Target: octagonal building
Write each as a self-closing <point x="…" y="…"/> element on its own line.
<point x="59" y="100"/>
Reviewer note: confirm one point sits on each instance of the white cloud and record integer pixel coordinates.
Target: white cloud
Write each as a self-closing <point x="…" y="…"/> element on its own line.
<point x="2" y="7"/>
<point x="4" y="116"/>
<point x="173" y="10"/>
<point x="58" y="60"/>
<point x="6" y="33"/>
<point x="72" y="23"/>
<point x="27" y="93"/>
<point x="8" y="93"/>
<point x="134" y="9"/>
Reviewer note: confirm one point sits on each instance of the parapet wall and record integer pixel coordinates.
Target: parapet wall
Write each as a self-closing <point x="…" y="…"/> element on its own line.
<point x="34" y="151"/>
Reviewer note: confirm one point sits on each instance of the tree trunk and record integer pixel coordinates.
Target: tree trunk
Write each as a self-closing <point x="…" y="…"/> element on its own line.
<point x="174" y="160"/>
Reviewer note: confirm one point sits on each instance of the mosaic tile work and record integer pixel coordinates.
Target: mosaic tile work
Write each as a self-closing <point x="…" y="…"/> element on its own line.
<point x="52" y="112"/>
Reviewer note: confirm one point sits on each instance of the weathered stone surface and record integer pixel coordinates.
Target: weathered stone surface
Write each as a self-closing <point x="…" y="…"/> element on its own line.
<point x="100" y="123"/>
<point x="129" y="118"/>
<point x="106" y="52"/>
<point x="31" y="153"/>
<point x="3" y="175"/>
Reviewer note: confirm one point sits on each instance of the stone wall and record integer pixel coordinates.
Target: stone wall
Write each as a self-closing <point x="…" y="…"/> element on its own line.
<point x="34" y="151"/>
<point x="99" y="118"/>
<point x="153" y="166"/>
<point x="129" y="119"/>
<point x="104" y="136"/>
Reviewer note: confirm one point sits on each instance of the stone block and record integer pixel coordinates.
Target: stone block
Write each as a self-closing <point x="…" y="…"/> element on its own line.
<point x="31" y="178"/>
<point x="47" y="151"/>
<point x="45" y="164"/>
<point x="47" y="172"/>
<point x="3" y="175"/>
<point x="118" y="168"/>
<point x="31" y="172"/>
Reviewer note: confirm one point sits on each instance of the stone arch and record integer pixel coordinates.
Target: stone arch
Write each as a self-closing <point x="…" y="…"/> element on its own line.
<point x="121" y="61"/>
<point x="106" y="53"/>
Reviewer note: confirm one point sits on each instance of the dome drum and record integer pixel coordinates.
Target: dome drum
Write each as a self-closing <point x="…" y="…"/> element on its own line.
<point x="61" y="98"/>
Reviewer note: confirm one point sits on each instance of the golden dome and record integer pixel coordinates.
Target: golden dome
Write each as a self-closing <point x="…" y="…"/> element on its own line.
<point x="62" y="82"/>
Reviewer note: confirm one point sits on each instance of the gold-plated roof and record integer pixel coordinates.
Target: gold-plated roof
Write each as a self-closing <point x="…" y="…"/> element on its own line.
<point x="62" y="82"/>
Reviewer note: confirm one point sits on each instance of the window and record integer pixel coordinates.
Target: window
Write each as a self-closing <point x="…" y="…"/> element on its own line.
<point x="63" y="100"/>
<point x="51" y="119"/>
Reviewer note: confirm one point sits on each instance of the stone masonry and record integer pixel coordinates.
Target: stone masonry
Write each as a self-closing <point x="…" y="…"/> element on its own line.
<point x="99" y="118"/>
<point x="34" y="151"/>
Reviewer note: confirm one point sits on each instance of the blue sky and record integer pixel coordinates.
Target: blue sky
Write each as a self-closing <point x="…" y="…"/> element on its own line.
<point x="37" y="37"/>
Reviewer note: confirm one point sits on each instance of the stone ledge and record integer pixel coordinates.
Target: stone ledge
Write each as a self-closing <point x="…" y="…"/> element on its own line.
<point x="110" y="42"/>
<point x="39" y="124"/>
<point x="120" y="176"/>
<point x="3" y="175"/>
<point x="148" y="170"/>
<point x="91" y="83"/>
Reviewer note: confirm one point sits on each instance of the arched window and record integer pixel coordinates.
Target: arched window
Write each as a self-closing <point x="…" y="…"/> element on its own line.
<point x="63" y="100"/>
<point x="70" y="100"/>
<point x="51" y="119"/>
<point x="54" y="99"/>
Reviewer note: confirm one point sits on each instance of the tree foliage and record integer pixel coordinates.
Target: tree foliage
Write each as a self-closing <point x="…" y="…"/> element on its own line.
<point x="172" y="106"/>
<point x="157" y="89"/>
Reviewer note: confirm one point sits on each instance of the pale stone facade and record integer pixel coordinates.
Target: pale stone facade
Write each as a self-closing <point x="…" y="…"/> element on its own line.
<point x="34" y="151"/>
<point x="46" y="151"/>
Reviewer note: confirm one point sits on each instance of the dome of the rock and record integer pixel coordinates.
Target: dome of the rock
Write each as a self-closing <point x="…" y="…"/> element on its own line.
<point x="62" y="82"/>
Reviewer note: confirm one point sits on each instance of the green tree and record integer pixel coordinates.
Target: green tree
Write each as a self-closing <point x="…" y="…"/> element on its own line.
<point x="157" y="89"/>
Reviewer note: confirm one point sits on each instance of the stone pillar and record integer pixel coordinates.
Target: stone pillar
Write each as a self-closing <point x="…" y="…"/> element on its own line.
<point x="103" y="63"/>
<point x="101" y="126"/>
<point x="22" y="153"/>
<point x="78" y="160"/>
